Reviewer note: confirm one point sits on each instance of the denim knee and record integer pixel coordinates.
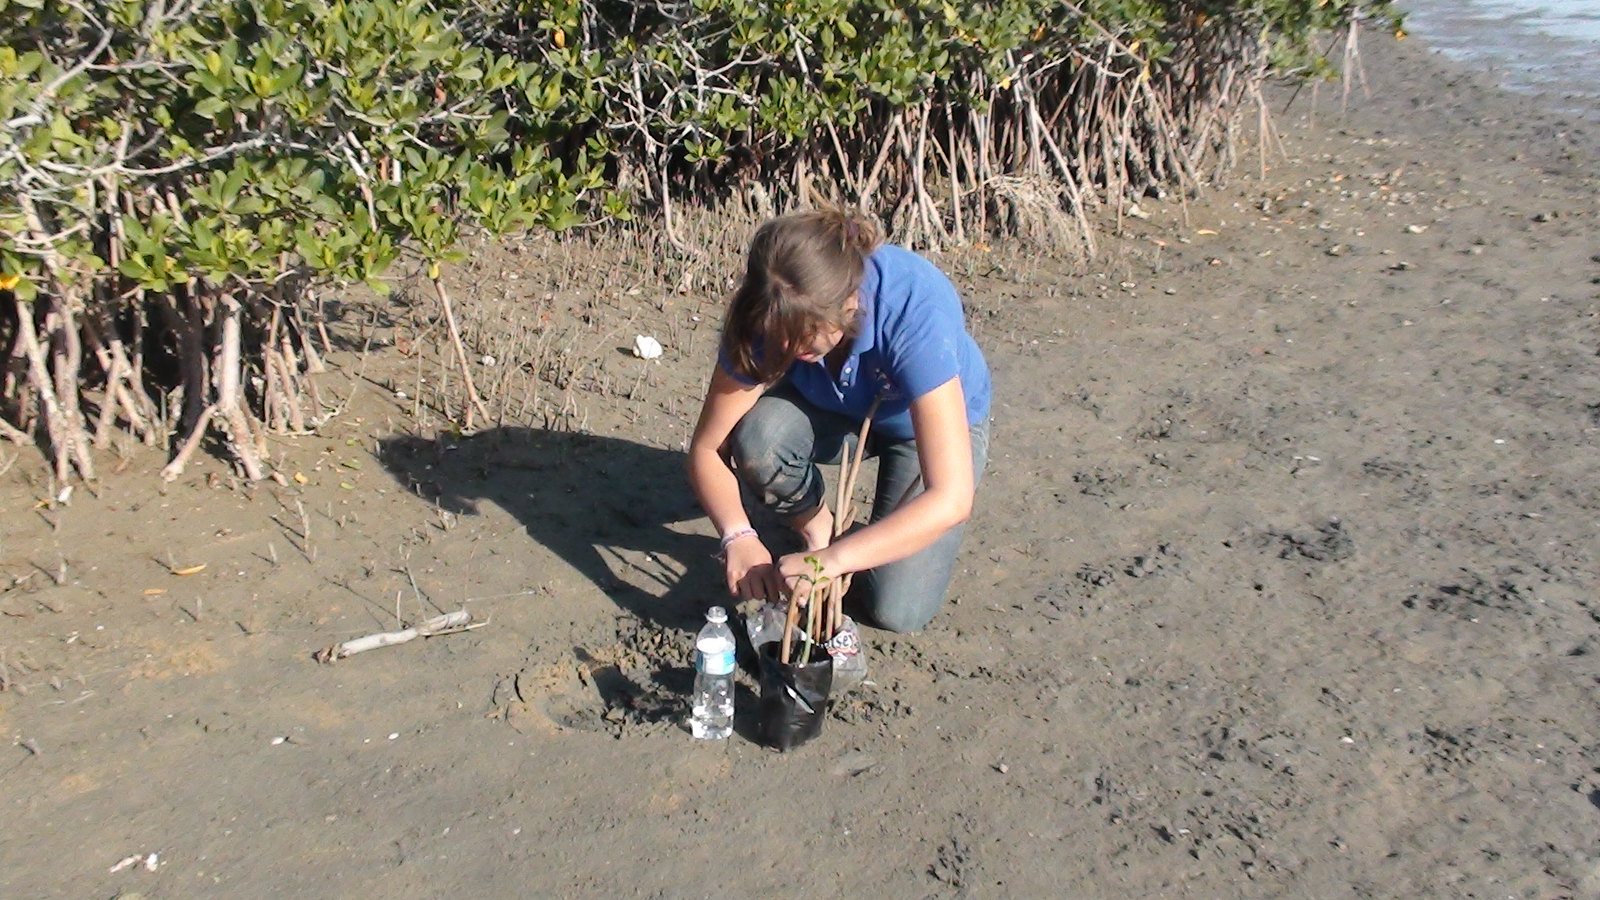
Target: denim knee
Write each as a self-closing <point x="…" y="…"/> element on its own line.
<point x="772" y="456"/>
<point x="905" y="596"/>
<point x="902" y="618"/>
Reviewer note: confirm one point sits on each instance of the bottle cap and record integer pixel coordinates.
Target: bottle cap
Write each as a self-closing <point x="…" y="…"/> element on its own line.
<point x="716" y="615"/>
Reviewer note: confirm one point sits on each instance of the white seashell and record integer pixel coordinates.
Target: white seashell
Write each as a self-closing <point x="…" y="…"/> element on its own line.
<point x="646" y="347"/>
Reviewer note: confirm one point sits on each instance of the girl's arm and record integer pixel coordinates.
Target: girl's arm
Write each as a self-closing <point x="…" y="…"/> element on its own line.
<point x="944" y="449"/>
<point x="748" y="561"/>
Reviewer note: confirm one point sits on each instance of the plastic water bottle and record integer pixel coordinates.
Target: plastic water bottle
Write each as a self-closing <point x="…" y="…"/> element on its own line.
<point x="711" y="707"/>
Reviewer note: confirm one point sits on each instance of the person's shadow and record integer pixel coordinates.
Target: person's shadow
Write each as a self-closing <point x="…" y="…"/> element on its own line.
<point x="601" y="504"/>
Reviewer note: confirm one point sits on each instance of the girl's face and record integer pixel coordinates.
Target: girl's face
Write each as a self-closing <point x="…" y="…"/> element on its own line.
<point x="825" y="338"/>
<point x="820" y="344"/>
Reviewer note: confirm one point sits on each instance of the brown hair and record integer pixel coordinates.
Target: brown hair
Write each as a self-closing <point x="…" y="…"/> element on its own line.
<point x="800" y="273"/>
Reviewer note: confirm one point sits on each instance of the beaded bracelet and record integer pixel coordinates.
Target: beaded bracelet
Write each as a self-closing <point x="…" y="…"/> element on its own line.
<point x="732" y="536"/>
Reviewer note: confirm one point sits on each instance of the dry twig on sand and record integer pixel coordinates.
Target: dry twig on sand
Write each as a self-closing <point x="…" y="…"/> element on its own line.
<point x="449" y="623"/>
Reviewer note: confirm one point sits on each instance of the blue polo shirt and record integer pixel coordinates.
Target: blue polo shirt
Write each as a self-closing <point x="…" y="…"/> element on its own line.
<point x="912" y="340"/>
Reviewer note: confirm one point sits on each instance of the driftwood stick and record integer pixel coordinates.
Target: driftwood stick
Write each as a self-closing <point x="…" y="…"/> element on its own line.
<point x="845" y="515"/>
<point x="460" y="620"/>
<point x="813" y="604"/>
<point x="841" y="512"/>
<point x="841" y="523"/>
<point x="790" y="617"/>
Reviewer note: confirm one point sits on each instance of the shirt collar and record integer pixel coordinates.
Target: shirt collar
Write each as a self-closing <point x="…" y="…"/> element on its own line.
<point x="866" y="319"/>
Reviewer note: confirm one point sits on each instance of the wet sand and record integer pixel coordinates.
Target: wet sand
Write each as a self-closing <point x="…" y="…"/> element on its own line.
<point x="1282" y="582"/>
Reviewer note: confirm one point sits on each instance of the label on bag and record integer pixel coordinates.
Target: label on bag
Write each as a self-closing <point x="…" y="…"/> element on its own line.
<point x="845" y="643"/>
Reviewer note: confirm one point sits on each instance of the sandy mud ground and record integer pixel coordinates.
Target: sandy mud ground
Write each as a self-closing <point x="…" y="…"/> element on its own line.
<point x="1283" y="582"/>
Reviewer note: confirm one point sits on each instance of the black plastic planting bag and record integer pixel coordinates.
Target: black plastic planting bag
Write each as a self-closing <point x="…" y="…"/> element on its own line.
<point x="794" y="697"/>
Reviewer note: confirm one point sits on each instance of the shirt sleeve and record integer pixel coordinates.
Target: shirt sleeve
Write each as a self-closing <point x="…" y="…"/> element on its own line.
<point x="726" y="366"/>
<point x="923" y="344"/>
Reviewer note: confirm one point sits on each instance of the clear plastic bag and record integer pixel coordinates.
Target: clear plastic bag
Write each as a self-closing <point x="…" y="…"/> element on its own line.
<point x="765" y="624"/>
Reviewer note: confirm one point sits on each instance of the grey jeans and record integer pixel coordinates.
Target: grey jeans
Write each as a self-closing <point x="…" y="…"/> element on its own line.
<point x="776" y="448"/>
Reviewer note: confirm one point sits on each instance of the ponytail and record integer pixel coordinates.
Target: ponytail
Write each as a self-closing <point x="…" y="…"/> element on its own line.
<point x="855" y="230"/>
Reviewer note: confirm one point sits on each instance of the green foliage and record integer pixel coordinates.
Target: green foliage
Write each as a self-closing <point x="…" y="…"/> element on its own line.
<point x="240" y="141"/>
<point x="701" y="85"/>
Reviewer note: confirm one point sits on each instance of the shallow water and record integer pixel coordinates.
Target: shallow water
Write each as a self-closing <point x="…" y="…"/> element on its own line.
<point x="1548" y="47"/>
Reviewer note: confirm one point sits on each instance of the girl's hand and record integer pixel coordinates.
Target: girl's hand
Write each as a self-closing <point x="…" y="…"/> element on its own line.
<point x="815" y="528"/>
<point x="805" y="572"/>
<point x="751" y="575"/>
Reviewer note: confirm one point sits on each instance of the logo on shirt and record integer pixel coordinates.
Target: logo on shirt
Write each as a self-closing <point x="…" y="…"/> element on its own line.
<point x="886" y="387"/>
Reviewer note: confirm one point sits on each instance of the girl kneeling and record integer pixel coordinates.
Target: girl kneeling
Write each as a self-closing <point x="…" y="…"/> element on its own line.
<point x="830" y="326"/>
